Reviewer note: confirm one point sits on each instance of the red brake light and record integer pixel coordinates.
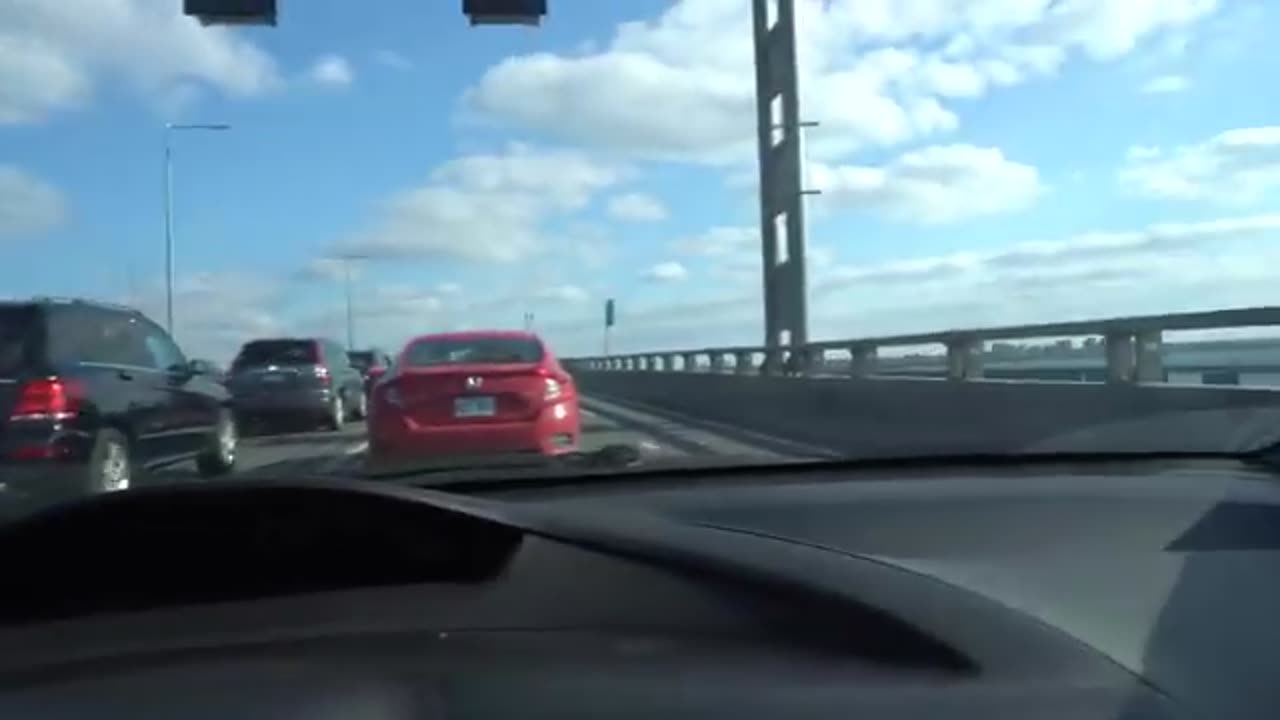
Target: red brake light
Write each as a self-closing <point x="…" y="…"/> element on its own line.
<point x="322" y="372"/>
<point x="558" y="375"/>
<point x="48" y="399"/>
<point x="553" y="381"/>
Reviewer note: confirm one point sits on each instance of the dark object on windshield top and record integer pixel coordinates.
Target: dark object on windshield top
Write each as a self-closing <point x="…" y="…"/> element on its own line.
<point x="84" y="387"/>
<point x="231" y="12"/>
<point x="505" y="12"/>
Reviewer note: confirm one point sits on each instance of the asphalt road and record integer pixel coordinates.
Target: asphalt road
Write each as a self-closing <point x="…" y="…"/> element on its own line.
<point x="659" y="437"/>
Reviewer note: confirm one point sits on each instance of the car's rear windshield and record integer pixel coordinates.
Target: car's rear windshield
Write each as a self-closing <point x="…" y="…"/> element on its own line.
<point x="17" y="325"/>
<point x="361" y="359"/>
<point x="470" y="351"/>
<point x="277" y="352"/>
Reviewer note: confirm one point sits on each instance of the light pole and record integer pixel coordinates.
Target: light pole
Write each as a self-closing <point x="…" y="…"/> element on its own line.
<point x="346" y="276"/>
<point x="168" y="210"/>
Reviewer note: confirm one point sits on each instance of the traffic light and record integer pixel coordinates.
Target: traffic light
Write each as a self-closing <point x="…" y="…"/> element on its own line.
<point x="505" y="12"/>
<point x="231" y="12"/>
<point x="263" y="12"/>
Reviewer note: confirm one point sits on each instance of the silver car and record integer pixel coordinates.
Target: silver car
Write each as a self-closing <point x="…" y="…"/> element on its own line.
<point x="308" y="380"/>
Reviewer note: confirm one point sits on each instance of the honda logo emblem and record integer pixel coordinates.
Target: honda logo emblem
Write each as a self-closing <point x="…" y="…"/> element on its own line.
<point x="474" y="382"/>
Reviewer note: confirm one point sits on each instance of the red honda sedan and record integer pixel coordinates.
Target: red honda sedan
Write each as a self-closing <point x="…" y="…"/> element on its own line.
<point x="474" y="393"/>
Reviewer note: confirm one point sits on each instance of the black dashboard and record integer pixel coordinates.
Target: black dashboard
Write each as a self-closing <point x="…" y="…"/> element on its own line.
<point x="1124" y="590"/>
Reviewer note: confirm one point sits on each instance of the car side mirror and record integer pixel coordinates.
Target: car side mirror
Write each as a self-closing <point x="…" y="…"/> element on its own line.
<point x="376" y="373"/>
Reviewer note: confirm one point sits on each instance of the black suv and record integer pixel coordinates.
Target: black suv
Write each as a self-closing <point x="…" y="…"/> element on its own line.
<point x="308" y="379"/>
<point x="93" y="394"/>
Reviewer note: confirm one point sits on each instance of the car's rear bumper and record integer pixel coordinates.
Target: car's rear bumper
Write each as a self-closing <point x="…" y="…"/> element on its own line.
<point x="308" y="401"/>
<point x="391" y="437"/>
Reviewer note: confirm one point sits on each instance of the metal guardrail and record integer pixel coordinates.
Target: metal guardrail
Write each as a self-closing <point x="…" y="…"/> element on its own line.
<point x="1132" y="345"/>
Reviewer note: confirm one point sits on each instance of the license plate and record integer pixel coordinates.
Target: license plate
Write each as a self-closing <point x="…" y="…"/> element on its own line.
<point x="479" y="406"/>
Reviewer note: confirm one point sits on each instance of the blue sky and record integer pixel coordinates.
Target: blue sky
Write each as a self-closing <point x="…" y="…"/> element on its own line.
<point x="981" y="162"/>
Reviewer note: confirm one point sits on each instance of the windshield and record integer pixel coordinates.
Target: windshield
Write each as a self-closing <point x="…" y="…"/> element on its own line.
<point x="713" y="231"/>
<point x="277" y="352"/>
<point x="362" y="360"/>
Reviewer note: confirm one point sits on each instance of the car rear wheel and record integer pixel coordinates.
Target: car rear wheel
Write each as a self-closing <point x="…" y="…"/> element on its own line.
<point x="337" y="413"/>
<point x="110" y="465"/>
<point x="361" y="409"/>
<point x="220" y="457"/>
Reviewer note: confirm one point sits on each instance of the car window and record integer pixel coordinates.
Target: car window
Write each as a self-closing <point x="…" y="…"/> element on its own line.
<point x="162" y="353"/>
<point x="362" y="360"/>
<point x="337" y="355"/>
<point x="87" y="334"/>
<point x="463" y="350"/>
<point x="276" y="352"/>
<point x="17" y="327"/>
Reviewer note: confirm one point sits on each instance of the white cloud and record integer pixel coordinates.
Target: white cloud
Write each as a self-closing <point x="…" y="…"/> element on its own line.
<point x="330" y="269"/>
<point x="719" y="242"/>
<point x="53" y="55"/>
<point x="386" y="315"/>
<point x="874" y="72"/>
<point x="1165" y="267"/>
<point x="28" y="206"/>
<point x="485" y="208"/>
<point x="636" y="207"/>
<point x="933" y="185"/>
<point x="562" y="294"/>
<point x="1234" y="167"/>
<point x="392" y="59"/>
<point x="666" y="272"/>
<point x="1142" y="152"/>
<point x="734" y="255"/>
<point x="393" y="313"/>
<point x="1165" y="84"/>
<point x="215" y="313"/>
<point x="332" y="71"/>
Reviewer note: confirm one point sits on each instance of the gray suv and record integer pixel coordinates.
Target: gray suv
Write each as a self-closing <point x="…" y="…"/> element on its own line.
<point x="296" y="379"/>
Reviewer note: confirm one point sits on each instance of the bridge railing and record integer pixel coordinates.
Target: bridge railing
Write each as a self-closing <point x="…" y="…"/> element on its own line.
<point x="1132" y="347"/>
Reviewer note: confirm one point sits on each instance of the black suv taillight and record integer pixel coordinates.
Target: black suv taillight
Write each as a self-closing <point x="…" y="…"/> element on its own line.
<point x="49" y="398"/>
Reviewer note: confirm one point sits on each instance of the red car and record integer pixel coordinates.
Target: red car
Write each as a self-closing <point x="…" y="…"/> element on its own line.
<point x="473" y="394"/>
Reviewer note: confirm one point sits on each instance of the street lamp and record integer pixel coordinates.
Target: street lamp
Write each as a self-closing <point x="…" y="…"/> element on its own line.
<point x="168" y="209"/>
<point x="346" y="276"/>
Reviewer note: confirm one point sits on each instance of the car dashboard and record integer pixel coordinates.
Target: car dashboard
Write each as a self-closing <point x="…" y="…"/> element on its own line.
<point x="1134" y="590"/>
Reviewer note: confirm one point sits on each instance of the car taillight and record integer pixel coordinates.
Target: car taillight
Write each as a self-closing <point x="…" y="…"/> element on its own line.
<point x="322" y="372"/>
<point x="48" y="398"/>
<point x="553" y="383"/>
